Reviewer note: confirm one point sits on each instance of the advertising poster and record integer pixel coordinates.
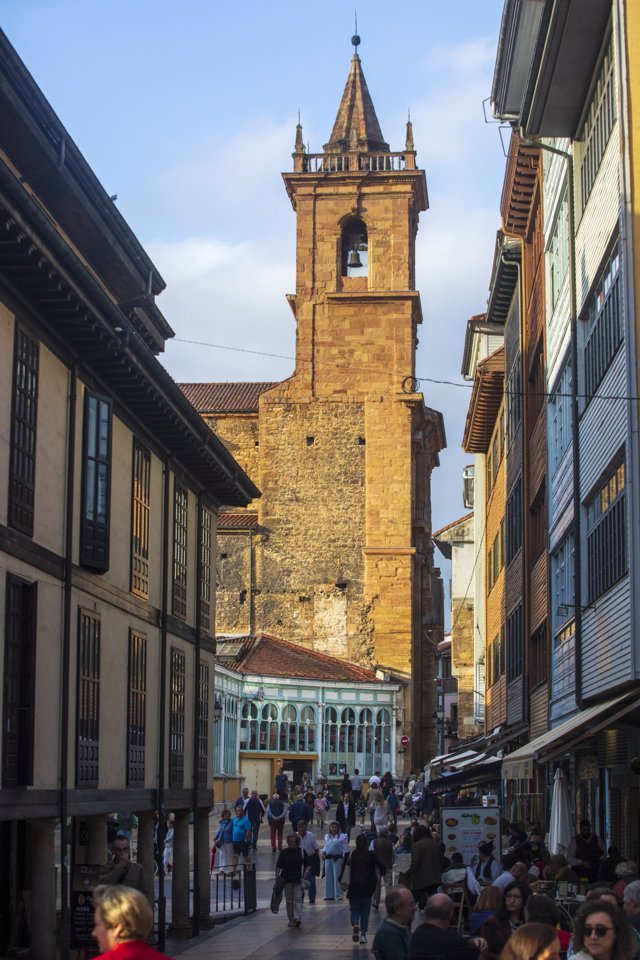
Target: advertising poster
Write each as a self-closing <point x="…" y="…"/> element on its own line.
<point x="463" y="828"/>
<point x="85" y="878"/>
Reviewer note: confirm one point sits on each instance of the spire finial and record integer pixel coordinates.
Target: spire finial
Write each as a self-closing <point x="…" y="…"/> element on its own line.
<point x="355" y="39"/>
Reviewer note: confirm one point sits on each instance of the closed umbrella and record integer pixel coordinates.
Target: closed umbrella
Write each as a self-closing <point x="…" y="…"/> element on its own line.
<point x="560" y="829"/>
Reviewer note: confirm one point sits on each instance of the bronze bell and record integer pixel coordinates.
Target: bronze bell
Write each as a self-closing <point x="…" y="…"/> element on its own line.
<point x="354" y="259"/>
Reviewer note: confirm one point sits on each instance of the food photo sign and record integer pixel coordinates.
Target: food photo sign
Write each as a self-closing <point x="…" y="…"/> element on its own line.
<point x="463" y="828"/>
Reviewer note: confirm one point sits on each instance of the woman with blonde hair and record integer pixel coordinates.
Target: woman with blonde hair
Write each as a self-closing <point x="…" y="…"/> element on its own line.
<point x="532" y="941"/>
<point x="123" y="919"/>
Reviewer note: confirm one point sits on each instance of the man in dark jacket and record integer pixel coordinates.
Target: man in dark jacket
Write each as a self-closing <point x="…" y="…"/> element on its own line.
<point x="425" y="866"/>
<point x="585" y="852"/>
<point x="282" y="785"/>
<point x="346" y="814"/>
<point x="299" y="811"/>
<point x="435" y="938"/>
<point x="254" y="811"/>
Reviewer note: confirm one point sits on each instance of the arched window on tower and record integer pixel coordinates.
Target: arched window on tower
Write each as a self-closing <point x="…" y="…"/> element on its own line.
<point x="354" y="252"/>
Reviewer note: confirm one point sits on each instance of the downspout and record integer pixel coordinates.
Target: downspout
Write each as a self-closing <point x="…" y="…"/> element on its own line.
<point x="195" y="918"/>
<point x="252" y="612"/>
<point x="162" y="903"/>
<point x="575" y="434"/>
<point x="66" y="660"/>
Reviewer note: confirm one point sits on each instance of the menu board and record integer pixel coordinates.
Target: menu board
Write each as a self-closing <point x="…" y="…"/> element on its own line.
<point x="463" y="828"/>
<point x="85" y="878"/>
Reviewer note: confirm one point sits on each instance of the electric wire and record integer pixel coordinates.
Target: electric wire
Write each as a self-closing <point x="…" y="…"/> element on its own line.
<point x="419" y="379"/>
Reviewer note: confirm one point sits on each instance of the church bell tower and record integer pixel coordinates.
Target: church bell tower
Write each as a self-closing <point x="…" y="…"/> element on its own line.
<point x="347" y="445"/>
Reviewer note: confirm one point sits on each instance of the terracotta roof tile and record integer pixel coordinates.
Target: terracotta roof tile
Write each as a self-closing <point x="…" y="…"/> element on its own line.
<point x="448" y="526"/>
<point x="274" y="657"/>
<point x="237" y="521"/>
<point x="225" y="397"/>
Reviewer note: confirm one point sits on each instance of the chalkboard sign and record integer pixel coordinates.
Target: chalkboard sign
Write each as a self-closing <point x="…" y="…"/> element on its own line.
<point x="85" y="878"/>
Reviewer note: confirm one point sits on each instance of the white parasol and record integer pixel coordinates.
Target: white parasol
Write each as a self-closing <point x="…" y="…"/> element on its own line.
<point x="560" y="830"/>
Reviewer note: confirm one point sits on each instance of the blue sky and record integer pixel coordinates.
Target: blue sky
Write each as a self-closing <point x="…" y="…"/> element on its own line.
<point x="187" y="111"/>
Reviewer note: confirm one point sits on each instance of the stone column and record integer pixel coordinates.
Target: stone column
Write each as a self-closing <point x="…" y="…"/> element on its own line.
<point x="42" y="923"/>
<point x="180" y="923"/>
<point x="96" y="850"/>
<point x="204" y="867"/>
<point x="145" y="849"/>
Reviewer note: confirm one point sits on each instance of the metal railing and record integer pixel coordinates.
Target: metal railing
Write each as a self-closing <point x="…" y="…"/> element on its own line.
<point x="343" y="162"/>
<point x="234" y="895"/>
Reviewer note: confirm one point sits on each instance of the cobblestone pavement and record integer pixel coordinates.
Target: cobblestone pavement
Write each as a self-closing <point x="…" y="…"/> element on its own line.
<point x="325" y="932"/>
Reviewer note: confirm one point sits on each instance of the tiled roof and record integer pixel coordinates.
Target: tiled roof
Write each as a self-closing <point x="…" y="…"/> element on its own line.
<point x="231" y="651"/>
<point x="448" y="526"/>
<point x="237" y="521"/>
<point x="225" y="397"/>
<point x="271" y="656"/>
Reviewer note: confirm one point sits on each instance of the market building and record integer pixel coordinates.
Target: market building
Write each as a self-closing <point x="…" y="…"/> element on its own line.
<point x="284" y="706"/>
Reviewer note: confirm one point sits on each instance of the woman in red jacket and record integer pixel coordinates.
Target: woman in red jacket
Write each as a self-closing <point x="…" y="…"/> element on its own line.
<point x="123" y="919"/>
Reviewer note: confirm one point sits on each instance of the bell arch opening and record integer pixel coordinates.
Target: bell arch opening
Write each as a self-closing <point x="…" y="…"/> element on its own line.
<point x="354" y="249"/>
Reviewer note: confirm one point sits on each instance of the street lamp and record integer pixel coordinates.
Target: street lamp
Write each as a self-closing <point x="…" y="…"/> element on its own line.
<point x="217" y="709"/>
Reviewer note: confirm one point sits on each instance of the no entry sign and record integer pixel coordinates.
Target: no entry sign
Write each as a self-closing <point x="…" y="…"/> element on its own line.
<point x="404" y="740"/>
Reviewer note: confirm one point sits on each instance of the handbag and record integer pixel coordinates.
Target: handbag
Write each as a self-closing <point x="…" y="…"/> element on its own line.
<point x="314" y="863"/>
<point x="345" y="874"/>
<point x="276" y="893"/>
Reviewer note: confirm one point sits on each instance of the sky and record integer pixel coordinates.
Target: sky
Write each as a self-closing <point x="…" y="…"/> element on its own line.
<point x="187" y="112"/>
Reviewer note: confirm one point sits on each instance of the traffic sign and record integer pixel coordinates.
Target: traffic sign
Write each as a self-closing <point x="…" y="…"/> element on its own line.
<point x="404" y="740"/>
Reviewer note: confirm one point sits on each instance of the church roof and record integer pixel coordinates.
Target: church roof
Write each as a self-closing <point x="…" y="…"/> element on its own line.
<point x="271" y="656"/>
<point x="356" y="125"/>
<point x="225" y="397"/>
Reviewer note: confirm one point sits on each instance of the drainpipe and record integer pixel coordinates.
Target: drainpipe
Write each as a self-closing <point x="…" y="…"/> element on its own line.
<point x="575" y="433"/>
<point x="66" y="660"/>
<point x="162" y="903"/>
<point x="195" y="919"/>
<point x="252" y="612"/>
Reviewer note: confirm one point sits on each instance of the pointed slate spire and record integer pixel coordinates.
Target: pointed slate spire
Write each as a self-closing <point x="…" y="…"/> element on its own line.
<point x="299" y="148"/>
<point x="408" y="144"/>
<point x="356" y="125"/>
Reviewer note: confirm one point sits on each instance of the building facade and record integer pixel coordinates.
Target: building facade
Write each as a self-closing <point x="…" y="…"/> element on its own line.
<point x="585" y="135"/>
<point x="338" y="554"/>
<point x="109" y="491"/>
<point x="456" y="542"/>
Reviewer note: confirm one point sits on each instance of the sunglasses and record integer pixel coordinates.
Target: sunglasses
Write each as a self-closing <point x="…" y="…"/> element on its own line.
<point x="598" y="931"/>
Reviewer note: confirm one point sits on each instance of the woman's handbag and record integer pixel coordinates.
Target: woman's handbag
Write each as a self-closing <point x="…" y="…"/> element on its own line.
<point x="276" y="894"/>
<point x="345" y="874"/>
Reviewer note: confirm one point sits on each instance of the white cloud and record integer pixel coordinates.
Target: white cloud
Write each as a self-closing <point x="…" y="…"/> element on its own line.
<point x="228" y="295"/>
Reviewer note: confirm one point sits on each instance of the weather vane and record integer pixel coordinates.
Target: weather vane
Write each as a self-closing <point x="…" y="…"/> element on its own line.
<point x="355" y="39"/>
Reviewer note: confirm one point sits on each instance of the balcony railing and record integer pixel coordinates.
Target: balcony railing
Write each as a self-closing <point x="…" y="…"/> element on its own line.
<point x="346" y="162"/>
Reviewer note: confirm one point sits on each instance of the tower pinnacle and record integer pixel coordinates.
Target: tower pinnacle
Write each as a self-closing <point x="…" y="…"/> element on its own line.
<point x="356" y="125"/>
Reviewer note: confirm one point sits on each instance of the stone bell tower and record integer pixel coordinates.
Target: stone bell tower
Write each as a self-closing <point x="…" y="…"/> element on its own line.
<point x="344" y="561"/>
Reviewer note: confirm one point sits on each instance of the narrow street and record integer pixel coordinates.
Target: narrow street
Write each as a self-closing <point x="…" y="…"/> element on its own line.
<point x="325" y="930"/>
